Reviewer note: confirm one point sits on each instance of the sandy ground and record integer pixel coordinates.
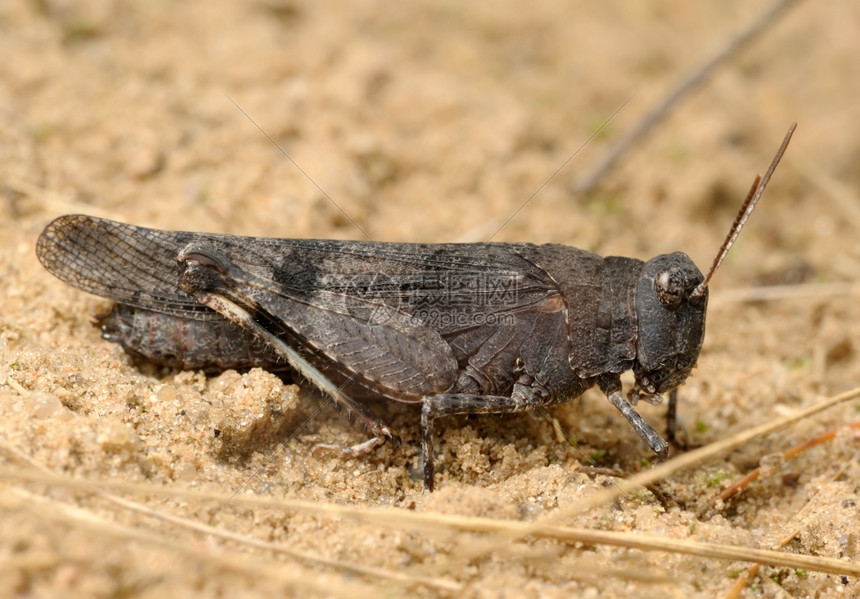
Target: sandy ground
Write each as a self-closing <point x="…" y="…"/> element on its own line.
<point x="431" y="121"/>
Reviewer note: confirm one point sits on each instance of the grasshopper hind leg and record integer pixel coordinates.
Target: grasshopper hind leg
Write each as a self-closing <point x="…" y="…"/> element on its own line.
<point x="368" y="421"/>
<point x="244" y="316"/>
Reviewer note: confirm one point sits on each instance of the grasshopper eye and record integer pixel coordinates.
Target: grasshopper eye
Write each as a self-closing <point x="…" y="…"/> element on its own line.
<point x="669" y="285"/>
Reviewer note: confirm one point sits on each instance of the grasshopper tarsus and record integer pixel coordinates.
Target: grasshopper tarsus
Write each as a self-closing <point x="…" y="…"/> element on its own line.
<point x="346" y="453"/>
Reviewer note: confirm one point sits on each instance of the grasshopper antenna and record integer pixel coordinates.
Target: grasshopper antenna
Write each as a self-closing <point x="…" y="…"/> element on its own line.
<point x="744" y="213"/>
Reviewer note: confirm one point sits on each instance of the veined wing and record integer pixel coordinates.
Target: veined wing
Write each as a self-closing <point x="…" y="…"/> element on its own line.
<point x="131" y="265"/>
<point x="138" y="266"/>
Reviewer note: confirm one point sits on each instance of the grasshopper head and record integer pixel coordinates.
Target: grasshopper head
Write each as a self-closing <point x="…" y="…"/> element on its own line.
<point x="671" y="298"/>
<point x="671" y="320"/>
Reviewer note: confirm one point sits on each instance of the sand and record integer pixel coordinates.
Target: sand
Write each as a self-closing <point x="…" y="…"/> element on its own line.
<point x="431" y="122"/>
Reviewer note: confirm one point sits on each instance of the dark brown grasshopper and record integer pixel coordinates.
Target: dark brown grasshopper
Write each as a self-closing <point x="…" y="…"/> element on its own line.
<point x="460" y="328"/>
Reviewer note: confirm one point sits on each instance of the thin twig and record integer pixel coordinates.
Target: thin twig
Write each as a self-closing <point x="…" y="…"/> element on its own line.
<point x="782" y="293"/>
<point x="373" y="573"/>
<point x="403" y="519"/>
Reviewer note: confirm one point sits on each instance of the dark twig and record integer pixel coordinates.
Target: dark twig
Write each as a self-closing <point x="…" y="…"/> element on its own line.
<point x="693" y="80"/>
